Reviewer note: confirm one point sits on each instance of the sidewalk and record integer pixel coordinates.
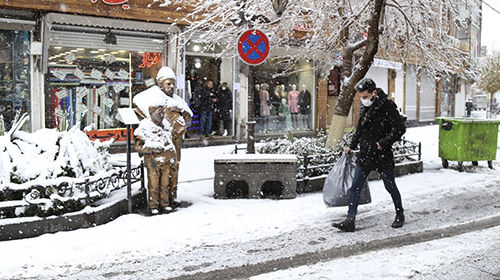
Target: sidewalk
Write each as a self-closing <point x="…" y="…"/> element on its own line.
<point x="212" y="234"/>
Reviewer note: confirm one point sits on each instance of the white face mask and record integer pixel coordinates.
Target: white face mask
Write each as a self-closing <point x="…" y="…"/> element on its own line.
<point x="223" y="88"/>
<point x="367" y="102"/>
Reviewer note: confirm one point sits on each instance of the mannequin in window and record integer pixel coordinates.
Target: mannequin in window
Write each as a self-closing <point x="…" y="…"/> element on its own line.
<point x="293" y="102"/>
<point x="256" y="101"/>
<point x="305" y="106"/>
<point x="264" y="104"/>
<point x="279" y="93"/>
<point x="285" y="111"/>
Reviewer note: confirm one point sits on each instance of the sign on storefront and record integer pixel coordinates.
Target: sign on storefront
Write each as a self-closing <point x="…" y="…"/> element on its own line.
<point x="253" y="47"/>
<point x="107" y="134"/>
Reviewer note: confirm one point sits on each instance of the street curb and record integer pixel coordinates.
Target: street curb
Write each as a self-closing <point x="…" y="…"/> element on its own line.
<point x="70" y="221"/>
<point x="246" y="271"/>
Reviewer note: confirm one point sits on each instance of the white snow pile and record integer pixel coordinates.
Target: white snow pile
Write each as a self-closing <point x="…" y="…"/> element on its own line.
<point x="315" y="146"/>
<point x="48" y="154"/>
<point x="302" y="146"/>
<point x="154" y="96"/>
<point x="155" y="137"/>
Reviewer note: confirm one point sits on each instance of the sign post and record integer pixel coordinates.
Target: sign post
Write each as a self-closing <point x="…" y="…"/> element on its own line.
<point x="253" y="48"/>
<point x="129" y="118"/>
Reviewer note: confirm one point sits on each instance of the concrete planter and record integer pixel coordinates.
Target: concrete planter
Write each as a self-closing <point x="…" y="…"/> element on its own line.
<point x="255" y="176"/>
<point x="18" y="228"/>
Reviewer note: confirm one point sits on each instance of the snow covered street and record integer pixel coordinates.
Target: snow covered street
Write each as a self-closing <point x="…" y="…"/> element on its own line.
<point x="224" y="239"/>
<point x="468" y="256"/>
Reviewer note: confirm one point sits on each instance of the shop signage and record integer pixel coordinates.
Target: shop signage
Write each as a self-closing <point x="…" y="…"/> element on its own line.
<point x="81" y="107"/>
<point x="108" y="120"/>
<point x="109" y="74"/>
<point x="382" y="63"/>
<point x="97" y="110"/>
<point x="124" y="4"/>
<point x="108" y="102"/>
<point x="81" y="92"/>
<point x="79" y="73"/>
<point x="149" y="82"/>
<point x="110" y="58"/>
<point x="102" y="90"/>
<point x="118" y="87"/>
<point x="107" y="134"/>
<point x="59" y="112"/>
<point x="59" y="74"/>
<point x="124" y="101"/>
<point x="303" y="27"/>
<point x="253" y="47"/>
<point x="149" y="59"/>
<point x="96" y="74"/>
<point x="123" y="74"/>
<point x="62" y="94"/>
<point x="70" y="58"/>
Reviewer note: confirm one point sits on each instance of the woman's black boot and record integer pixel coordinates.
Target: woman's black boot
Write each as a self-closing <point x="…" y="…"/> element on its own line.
<point x="399" y="221"/>
<point x="346" y="225"/>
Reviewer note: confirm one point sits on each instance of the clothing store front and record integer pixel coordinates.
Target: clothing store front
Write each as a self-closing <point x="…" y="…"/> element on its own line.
<point x="201" y="65"/>
<point x="95" y="66"/>
<point x="15" y="70"/>
<point x="284" y="96"/>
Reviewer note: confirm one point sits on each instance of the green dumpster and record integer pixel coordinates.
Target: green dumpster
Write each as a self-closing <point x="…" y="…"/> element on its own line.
<point x="465" y="139"/>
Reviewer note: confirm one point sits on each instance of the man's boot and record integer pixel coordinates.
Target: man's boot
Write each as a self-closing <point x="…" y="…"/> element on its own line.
<point x="399" y="221"/>
<point x="346" y="225"/>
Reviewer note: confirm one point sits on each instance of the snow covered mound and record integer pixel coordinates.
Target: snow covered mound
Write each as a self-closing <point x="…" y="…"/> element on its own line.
<point x="154" y="137"/>
<point x="154" y="96"/>
<point x="302" y="146"/>
<point x="48" y="154"/>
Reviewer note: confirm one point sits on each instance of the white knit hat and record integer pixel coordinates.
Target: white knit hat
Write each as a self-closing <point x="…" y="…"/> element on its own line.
<point x="165" y="73"/>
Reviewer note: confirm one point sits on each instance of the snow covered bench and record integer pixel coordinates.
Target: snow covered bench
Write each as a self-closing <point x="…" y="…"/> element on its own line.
<point x="255" y="176"/>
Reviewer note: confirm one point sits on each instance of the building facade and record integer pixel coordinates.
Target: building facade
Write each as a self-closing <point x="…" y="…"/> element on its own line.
<point x="77" y="62"/>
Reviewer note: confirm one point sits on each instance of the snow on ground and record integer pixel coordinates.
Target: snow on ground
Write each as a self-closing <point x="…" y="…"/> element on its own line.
<point x="210" y="221"/>
<point x="482" y="114"/>
<point x="419" y="261"/>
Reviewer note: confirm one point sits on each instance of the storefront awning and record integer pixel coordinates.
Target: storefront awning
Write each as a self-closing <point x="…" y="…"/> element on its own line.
<point x="16" y="24"/>
<point x="110" y="23"/>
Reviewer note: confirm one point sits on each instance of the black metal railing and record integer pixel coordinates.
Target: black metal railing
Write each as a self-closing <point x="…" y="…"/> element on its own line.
<point x="312" y="166"/>
<point x="83" y="193"/>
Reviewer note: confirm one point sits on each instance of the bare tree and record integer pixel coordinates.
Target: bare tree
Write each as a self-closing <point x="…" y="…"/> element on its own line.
<point x="489" y="79"/>
<point x="490" y="74"/>
<point x="419" y="32"/>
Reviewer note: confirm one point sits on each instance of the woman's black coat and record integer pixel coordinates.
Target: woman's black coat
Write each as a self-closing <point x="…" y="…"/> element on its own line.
<point x="382" y="123"/>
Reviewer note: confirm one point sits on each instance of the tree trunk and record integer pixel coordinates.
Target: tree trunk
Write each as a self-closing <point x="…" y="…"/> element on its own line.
<point x="355" y="74"/>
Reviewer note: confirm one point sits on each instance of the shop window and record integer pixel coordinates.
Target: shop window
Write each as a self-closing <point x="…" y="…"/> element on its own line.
<point x="211" y="103"/>
<point x="283" y="97"/>
<point x="14" y="75"/>
<point x="86" y="86"/>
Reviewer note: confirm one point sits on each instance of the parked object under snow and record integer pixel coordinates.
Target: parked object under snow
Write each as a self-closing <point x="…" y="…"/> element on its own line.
<point x="50" y="172"/>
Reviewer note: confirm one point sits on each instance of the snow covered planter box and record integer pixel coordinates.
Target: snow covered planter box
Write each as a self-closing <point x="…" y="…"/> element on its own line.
<point x="255" y="176"/>
<point x="315" y="162"/>
<point x="50" y="173"/>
